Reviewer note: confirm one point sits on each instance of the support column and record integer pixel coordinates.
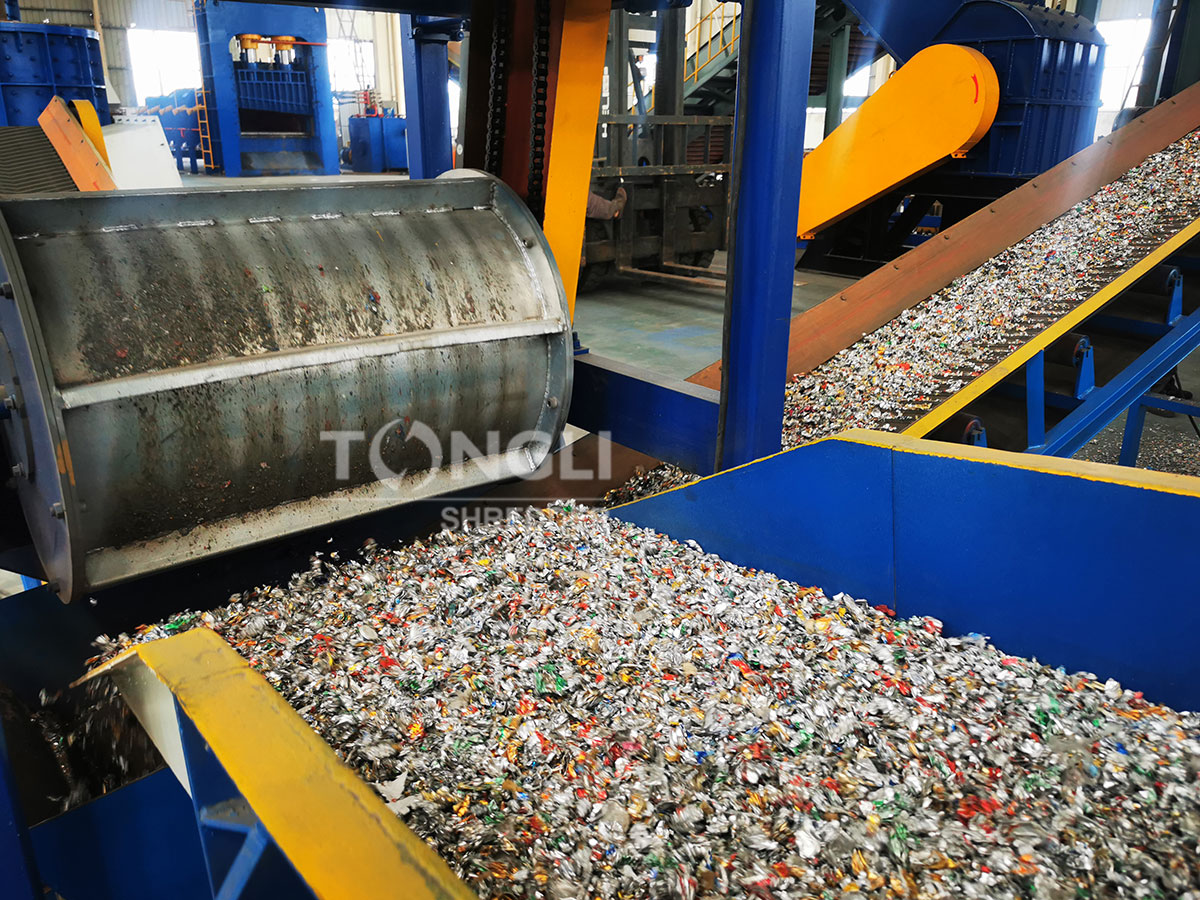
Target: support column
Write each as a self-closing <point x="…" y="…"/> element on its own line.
<point x="773" y="69"/>
<point x="835" y="83"/>
<point x="426" y="99"/>
<point x="1156" y="44"/>
<point x="668" y="81"/>
<point x="618" y="84"/>
<point x="574" y="118"/>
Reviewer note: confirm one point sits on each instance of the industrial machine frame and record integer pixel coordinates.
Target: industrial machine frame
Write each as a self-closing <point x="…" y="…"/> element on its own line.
<point x="219" y="823"/>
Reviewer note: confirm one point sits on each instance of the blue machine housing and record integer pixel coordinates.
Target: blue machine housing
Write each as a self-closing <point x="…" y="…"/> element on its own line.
<point x="39" y="61"/>
<point x="378" y="143"/>
<point x="179" y="112"/>
<point x="267" y="117"/>
<point x="1049" y="64"/>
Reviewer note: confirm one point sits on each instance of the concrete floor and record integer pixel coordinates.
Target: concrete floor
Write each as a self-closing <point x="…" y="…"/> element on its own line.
<point x="673" y="331"/>
<point x="676" y="331"/>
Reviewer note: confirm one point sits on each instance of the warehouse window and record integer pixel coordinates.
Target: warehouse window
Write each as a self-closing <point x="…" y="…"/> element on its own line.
<point x="163" y="61"/>
<point x="351" y="64"/>
<point x="1126" y="40"/>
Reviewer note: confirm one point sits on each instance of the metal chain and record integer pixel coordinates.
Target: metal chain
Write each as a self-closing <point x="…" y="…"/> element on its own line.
<point x="497" y="90"/>
<point x="535" y="198"/>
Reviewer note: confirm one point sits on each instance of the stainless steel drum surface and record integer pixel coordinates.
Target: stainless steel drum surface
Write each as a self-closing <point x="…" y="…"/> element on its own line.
<point x="186" y="370"/>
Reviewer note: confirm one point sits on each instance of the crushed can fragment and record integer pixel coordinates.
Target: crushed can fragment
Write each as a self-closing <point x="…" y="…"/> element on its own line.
<point x="566" y="706"/>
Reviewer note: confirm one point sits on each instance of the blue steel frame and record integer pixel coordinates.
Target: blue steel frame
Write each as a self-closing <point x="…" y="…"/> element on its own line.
<point x="227" y="843"/>
<point x="1092" y="408"/>
<point x="775" y="54"/>
<point x="315" y="152"/>
<point x="240" y="855"/>
<point x="426" y="102"/>
<point x="20" y="878"/>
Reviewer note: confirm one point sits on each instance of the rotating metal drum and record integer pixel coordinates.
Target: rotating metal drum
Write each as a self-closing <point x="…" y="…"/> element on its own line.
<point x="188" y="373"/>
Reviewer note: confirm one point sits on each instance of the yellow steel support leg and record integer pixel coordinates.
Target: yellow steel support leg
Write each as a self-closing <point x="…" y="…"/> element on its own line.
<point x="573" y="133"/>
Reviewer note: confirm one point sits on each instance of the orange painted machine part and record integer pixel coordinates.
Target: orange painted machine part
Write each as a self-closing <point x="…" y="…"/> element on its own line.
<point x="939" y="104"/>
<point x="571" y="140"/>
<point x="83" y="161"/>
<point x="818" y="334"/>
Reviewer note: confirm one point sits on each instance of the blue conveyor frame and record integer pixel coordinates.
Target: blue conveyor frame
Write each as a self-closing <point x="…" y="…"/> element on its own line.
<point x="1091" y="407"/>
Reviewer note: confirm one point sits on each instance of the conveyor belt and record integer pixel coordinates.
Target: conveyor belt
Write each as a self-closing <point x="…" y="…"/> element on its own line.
<point x="1059" y="329"/>
<point x="818" y="334"/>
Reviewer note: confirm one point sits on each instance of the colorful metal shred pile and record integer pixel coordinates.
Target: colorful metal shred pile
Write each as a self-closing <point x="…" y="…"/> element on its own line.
<point x="891" y="377"/>
<point x="566" y="706"/>
<point x="897" y="373"/>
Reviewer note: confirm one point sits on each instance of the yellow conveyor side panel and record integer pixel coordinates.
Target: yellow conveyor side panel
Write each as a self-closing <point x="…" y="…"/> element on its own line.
<point x="939" y="104"/>
<point x="334" y="829"/>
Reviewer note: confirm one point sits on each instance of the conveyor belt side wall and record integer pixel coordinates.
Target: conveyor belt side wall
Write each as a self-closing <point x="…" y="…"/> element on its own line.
<point x="973" y="537"/>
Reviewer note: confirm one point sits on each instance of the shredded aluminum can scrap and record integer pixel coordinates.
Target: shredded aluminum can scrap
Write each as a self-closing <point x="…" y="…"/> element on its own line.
<point x="566" y="706"/>
<point x="897" y="373"/>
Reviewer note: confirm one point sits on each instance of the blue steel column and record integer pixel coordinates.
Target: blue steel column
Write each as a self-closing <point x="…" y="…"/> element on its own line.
<point x="426" y="97"/>
<point x="18" y="872"/>
<point x="774" y="60"/>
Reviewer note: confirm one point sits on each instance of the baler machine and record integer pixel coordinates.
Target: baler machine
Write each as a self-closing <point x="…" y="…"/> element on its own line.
<point x="194" y="381"/>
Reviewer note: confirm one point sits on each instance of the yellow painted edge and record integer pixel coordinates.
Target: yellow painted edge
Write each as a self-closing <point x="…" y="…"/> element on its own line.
<point x="577" y="93"/>
<point x="1185" y="485"/>
<point x="332" y="827"/>
<point x="1164" y="482"/>
<point x="90" y="123"/>
<point x="1023" y="354"/>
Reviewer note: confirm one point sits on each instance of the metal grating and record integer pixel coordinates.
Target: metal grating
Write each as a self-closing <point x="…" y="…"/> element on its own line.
<point x="29" y="163"/>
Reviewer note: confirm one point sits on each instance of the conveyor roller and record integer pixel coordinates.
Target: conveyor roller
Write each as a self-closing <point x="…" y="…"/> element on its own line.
<point x="180" y="364"/>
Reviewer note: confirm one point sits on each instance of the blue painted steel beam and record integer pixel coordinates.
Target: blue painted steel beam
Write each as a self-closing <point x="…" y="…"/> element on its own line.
<point x="1171" y="404"/>
<point x="1104" y="404"/>
<point x="1131" y="439"/>
<point x="18" y="872"/>
<point x="1135" y="419"/>
<point x="668" y="419"/>
<point x="776" y="53"/>
<point x="426" y="97"/>
<point x="1035" y="400"/>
